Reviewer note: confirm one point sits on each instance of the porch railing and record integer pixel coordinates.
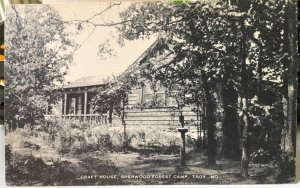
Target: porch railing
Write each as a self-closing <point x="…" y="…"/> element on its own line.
<point x="97" y="118"/>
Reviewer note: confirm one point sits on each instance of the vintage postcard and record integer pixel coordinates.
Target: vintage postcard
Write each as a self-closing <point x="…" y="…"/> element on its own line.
<point x="150" y="93"/>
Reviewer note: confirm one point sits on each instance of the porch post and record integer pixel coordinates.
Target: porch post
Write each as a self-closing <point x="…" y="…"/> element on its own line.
<point x="85" y="106"/>
<point x="65" y="106"/>
<point x="61" y="108"/>
<point x="79" y="104"/>
<point x="141" y="100"/>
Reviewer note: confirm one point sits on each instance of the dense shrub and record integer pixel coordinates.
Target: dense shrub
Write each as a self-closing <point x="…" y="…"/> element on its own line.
<point x="71" y="136"/>
<point x="23" y="167"/>
<point x="23" y="136"/>
<point x="28" y="168"/>
<point x="8" y="155"/>
<point x="261" y="156"/>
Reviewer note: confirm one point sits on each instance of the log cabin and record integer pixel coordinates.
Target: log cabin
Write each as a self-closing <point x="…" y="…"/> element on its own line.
<point x="140" y="109"/>
<point x="143" y="110"/>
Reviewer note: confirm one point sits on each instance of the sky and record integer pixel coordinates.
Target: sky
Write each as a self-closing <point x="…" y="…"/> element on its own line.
<point x="86" y="62"/>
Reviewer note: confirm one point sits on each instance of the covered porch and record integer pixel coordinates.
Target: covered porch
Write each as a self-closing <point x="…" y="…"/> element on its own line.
<point x="76" y="105"/>
<point x="75" y="102"/>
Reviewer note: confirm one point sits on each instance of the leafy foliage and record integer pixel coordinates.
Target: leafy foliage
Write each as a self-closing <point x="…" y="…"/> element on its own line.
<point x="115" y="93"/>
<point x="36" y="63"/>
<point x="240" y="48"/>
<point x="78" y="138"/>
<point x="230" y="59"/>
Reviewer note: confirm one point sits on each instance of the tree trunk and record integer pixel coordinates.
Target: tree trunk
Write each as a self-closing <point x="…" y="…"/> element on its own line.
<point x="292" y="73"/>
<point x="230" y="143"/>
<point x="210" y="123"/>
<point x="211" y="142"/>
<point x="125" y="141"/>
<point x="110" y="113"/>
<point x="231" y="135"/>
<point x="204" y="122"/>
<point x="199" y="127"/>
<point x="245" y="141"/>
<point x="288" y="136"/>
<point x="259" y="76"/>
<point x="244" y="110"/>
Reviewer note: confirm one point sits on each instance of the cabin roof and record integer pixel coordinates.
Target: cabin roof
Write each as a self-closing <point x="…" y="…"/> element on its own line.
<point x="136" y="65"/>
<point x="98" y="80"/>
<point x="85" y="81"/>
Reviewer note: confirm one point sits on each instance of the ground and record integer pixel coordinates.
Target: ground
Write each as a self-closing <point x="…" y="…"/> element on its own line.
<point x="86" y="169"/>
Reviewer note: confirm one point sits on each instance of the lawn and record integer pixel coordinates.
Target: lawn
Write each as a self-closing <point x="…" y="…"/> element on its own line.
<point x="43" y="165"/>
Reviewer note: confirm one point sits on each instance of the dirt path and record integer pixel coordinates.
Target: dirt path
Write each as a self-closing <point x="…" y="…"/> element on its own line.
<point x="133" y="168"/>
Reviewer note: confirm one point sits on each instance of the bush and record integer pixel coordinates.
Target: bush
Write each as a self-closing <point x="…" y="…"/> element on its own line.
<point x="71" y="136"/>
<point x="24" y="167"/>
<point x="287" y="168"/>
<point x="22" y="137"/>
<point x="76" y="137"/>
<point x="8" y="155"/>
<point x="261" y="156"/>
<point x="27" y="168"/>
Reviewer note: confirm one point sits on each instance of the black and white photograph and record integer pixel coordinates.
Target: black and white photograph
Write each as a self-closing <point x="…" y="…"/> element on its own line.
<point x="151" y="93"/>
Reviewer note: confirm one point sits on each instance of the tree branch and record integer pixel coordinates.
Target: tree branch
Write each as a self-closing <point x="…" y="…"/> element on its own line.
<point x="88" y="21"/>
<point x="109" y="7"/>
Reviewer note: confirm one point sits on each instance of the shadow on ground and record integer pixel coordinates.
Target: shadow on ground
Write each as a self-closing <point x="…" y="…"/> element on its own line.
<point x="127" y="168"/>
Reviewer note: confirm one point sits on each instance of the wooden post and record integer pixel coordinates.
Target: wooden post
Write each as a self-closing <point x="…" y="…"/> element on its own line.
<point x="182" y="131"/>
<point x="110" y="114"/>
<point x="61" y="103"/>
<point x="85" y="106"/>
<point x="65" y="106"/>
<point x="79" y="104"/>
<point x="141" y="99"/>
<point x="73" y="103"/>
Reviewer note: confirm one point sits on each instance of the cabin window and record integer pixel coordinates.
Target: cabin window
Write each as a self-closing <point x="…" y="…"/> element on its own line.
<point x="153" y="99"/>
<point x="159" y="98"/>
<point x="171" y="101"/>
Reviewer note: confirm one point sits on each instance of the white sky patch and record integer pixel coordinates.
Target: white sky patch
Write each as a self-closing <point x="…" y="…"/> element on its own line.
<point x="86" y="61"/>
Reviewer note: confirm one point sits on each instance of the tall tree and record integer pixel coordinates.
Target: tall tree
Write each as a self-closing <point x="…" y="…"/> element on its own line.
<point x="206" y="41"/>
<point x="216" y="35"/>
<point x="38" y="54"/>
<point x="195" y="32"/>
<point x="288" y="141"/>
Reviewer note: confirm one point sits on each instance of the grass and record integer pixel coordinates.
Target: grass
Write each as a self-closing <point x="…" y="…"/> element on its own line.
<point x="144" y="157"/>
<point x="69" y="173"/>
<point x="67" y="169"/>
